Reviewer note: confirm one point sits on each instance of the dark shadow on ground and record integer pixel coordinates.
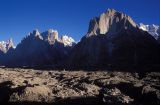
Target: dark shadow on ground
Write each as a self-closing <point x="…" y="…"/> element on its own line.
<point x="142" y="69"/>
<point x="79" y="101"/>
<point x="6" y="91"/>
<point x="68" y="101"/>
<point x="148" y="99"/>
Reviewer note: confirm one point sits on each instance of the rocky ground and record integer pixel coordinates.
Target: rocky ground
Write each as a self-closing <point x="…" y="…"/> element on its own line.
<point x="39" y="87"/>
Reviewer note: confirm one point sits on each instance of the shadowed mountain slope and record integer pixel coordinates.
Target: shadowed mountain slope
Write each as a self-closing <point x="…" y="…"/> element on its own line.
<point x="114" y="40"/>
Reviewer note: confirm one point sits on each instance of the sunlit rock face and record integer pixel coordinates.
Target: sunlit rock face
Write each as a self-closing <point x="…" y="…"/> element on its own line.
<point x="50" y="36"/>
<point x="2" y="46"/>
<point x="114" y="40"/>
<point x="110" y="22"/>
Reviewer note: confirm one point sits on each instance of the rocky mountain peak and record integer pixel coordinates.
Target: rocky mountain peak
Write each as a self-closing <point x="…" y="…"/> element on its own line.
<point x="6" y="45"/>
<point x="37" y="34"/>
<point x="67" y="41"/>
<point x="52" y="36"/>
<point x="110" y="11"/>
<point x="110" y="22"/>
<point x="153" y="29"/>
<point x="9" y="44"/>
<point x="2" y="46"/>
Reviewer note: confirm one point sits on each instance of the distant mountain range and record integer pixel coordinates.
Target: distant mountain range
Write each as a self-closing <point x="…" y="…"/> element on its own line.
<point x="113" y="40"/>
<point x="39" y="49"/>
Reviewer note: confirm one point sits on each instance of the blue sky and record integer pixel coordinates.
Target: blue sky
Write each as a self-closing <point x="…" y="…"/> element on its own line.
<point x="71" y="17"/>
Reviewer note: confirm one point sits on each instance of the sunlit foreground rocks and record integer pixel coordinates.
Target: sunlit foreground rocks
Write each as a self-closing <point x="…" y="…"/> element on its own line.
<point x="36" y="87"/>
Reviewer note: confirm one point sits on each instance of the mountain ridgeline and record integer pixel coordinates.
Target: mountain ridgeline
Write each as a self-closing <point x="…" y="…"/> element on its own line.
<point x="153" y="29"/>
<point x="39" y="50"/>
<point x="113" y="40"/>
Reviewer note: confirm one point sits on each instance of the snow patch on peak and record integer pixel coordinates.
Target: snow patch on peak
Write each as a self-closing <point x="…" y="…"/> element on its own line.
<point x="67" y="41"/>
<point x="143" y="27"/>
<point x="36" y="32"/>
<point x="153" y="29"/>
<point x="6" y="45"/>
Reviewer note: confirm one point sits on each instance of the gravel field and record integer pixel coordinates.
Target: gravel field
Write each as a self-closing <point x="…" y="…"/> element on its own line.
<point x="30" y="87"/>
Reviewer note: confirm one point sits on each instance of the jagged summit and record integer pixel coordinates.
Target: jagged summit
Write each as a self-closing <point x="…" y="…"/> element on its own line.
<point x="9" y="44"/>
<point x="39" y="49"/>
<point x="34" y="34"/>
<point x="53" y="35"/>
<point x="153" y="29"/>
<point x="6" y="45"/>
<point x="68" y="41"/>
<point x="50" y="36"/>
<point x="110" y="22"/>
<point x="114" y="39"/>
